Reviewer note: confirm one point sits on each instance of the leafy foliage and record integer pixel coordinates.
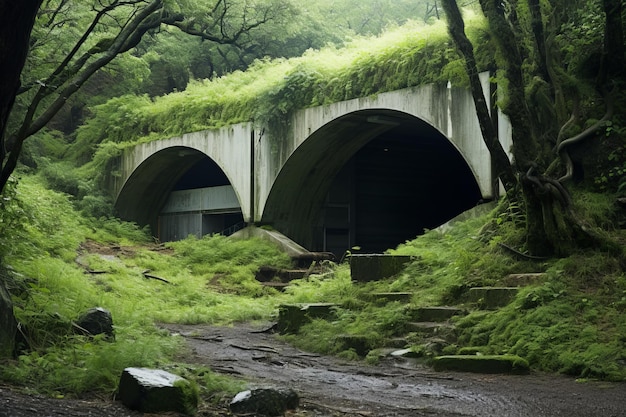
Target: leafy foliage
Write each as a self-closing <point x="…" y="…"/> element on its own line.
<point x="49" y="255"/>
<point x="407" y="56"/>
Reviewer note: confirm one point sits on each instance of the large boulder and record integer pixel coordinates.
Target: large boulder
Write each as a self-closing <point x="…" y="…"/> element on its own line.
<point x="95" y="321"/>
<point x="156" y="391"/>
<point x="8" y="324"/>
<point x="265" y="401"/>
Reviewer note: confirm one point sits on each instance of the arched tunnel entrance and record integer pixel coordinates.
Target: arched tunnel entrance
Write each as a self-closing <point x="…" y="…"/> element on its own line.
<point x="372" y="179"/>
<point x="180" y="191"/>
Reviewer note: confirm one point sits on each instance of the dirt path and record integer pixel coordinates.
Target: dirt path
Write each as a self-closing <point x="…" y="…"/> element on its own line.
<point x="330" y="387"/>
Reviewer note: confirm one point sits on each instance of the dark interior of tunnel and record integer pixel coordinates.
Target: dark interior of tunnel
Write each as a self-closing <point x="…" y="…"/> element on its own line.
<point x="401" y="183"/>
<point x="204" y="173"/>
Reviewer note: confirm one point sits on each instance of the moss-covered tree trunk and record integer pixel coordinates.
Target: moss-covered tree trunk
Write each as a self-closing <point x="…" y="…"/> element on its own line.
<point x="502" y="166"/>
<point x="534" y="102"/>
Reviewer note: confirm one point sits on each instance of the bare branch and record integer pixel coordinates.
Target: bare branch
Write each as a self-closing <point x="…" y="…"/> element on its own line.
<point x="122" y="42"/>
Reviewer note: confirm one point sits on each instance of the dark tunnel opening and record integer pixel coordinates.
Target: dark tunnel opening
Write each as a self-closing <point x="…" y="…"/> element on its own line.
<point x="204" y="173"/>
<point x="408" y="179"/>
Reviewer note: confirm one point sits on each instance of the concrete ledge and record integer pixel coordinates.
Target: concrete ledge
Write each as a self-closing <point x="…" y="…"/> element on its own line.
<point x="495" y="364"/>
<point x="290" y="247"/>
<point x="374" y="267"/>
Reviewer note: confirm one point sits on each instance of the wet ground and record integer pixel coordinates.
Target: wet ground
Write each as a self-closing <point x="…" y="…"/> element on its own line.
<point x="329" y="387"/>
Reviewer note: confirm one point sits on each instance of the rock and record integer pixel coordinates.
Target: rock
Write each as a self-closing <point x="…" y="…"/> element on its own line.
<point x="375" y="267"/>
<point x="155" y="390"/>
<point x="485" y="364"/>
<point x="404" y="353"/>
<point x="8" y="324"/>
<point x="265" y="401"/>
<point x="387" y="297"/>
<point x="435" y="314"/>
<point x="361" y="344"/>
<point x="293" y="316"/>
<point x="95" y="321"/>
<point x="491" y="298"/>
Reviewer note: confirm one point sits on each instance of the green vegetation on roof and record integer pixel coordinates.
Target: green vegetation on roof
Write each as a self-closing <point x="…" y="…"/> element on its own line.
<point x="410" y="55"/>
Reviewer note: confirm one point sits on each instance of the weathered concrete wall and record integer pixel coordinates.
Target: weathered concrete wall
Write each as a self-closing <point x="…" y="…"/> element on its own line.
<point x="278" y="171"/>
<point x="202" y="199"/>
<point x="229" y="147"/>
<point x="450" y="110"/>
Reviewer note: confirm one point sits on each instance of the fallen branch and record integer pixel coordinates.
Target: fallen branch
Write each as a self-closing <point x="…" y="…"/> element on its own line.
<point x="147" y="275"/>
<point x="259" y="348"/>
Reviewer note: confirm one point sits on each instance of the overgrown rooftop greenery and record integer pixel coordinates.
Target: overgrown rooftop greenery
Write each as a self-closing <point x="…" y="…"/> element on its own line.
<point x="411" y="55"/>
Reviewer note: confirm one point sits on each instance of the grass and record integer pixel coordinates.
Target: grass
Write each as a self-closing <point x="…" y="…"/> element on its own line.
<point x="571" y="322"/>
<point x="49" y="258"/>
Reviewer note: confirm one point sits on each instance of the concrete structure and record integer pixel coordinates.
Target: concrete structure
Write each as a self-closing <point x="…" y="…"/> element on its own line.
<point x="372" y="171"/>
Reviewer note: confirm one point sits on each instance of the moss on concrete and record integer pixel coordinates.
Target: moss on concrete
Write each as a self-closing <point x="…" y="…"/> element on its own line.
<point x="493" y="364"/>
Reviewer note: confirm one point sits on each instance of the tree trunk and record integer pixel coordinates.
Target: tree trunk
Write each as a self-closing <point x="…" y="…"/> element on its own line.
<point x="16" y="22"/>
<point x="552" y="227"/>
<point x="502" y="166"/>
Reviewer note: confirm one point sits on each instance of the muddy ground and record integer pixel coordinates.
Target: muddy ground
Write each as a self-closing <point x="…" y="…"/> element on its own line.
<point x="329" y="387"/>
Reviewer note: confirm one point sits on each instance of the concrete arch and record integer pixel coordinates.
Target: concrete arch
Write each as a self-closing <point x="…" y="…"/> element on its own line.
<point x="150" y="170"/>
<point x="296" y="201"/>
<point x="285" y="173"/>
<point x="146" y="191"/>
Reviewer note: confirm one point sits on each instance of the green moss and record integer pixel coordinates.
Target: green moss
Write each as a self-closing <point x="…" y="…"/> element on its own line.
<point x="189" y="395"/>
<point x="482" y="364"/>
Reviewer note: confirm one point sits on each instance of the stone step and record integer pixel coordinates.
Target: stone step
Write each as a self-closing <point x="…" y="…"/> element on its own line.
<point x="270" y="273"/>
<point x="376" y="266"/>
<point x="490" y="298"/>
<point x="387" y="297"/>
<point x="293" y="316"/>
<point x="435" y="314"/>
<point x="524" y="279"/>
<point x="280" y="286"/>
<point x="487" y="364"/>
<point x="428" y="329"/>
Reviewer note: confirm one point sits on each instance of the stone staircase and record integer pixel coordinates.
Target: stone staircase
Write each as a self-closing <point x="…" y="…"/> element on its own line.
<point x="429" y="329"/>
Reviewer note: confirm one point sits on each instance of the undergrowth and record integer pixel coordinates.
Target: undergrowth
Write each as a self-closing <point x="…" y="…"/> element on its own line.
<point x="570" y="321"/>
<point x="58" y="264"/>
